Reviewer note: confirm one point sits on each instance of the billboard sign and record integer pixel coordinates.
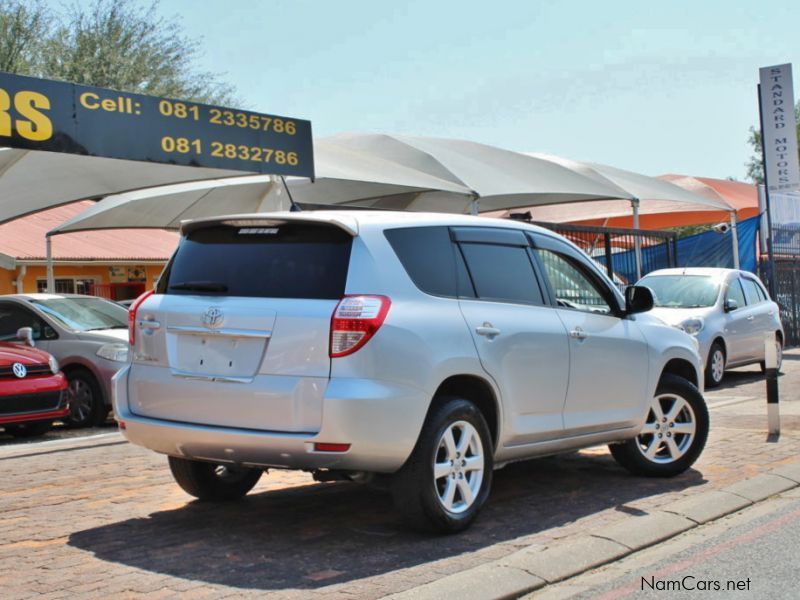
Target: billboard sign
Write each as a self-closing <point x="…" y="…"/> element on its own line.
<point x="779" y="128"/>
<point x="39" y="114"/>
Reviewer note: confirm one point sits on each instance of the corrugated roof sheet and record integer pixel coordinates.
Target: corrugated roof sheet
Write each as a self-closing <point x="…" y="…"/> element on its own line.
<point x="24" y="239"/>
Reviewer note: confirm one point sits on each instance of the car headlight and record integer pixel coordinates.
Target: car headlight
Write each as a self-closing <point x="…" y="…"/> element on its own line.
<point x="115" y="352"/>
<point x="692" y="326"/>
<point x="53" y="364"/>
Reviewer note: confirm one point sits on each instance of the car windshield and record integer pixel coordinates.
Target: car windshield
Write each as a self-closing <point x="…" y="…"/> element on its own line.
<point x="682" y="291"/>
<point x="84" y="314"/>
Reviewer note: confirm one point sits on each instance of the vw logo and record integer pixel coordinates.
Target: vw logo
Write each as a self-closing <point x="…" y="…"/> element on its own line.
<point x="19" y="370"/>
<point x="213" y="317"/>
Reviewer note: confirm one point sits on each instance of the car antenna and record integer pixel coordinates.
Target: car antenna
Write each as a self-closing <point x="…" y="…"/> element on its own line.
<point x="294" y="206"/>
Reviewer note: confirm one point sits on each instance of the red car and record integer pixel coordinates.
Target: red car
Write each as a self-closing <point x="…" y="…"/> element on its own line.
<point x="33" y="392"/>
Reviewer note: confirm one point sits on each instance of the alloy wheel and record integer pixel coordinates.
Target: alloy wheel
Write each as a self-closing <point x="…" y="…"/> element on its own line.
<point x="80" y="400"/>
<point x="669" y="430"/>
<point x="717" y="365"/>
<point x="458" y="466"/>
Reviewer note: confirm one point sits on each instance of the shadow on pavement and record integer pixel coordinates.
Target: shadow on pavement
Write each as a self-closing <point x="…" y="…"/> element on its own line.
<point x="316" y="535"/>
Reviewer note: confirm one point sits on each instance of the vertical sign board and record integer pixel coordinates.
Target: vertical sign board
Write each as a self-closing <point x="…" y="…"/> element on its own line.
<point x="779" y="129"/>
<point x="39" y="114"/>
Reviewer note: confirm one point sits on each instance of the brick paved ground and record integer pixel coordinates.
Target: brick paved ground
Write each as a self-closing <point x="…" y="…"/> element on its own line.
<point x="107" y="520"/>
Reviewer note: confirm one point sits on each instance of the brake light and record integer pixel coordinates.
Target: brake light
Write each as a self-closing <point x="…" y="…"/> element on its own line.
<point x="132" y="315"/>
<point x="355" y="321"/>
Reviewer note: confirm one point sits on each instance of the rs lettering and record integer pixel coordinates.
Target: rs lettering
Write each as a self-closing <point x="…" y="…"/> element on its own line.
<point x="31" y="123"/>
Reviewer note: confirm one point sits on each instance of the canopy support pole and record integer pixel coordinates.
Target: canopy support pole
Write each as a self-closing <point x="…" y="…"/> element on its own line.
<point x="474" y="206"/>
<point x="735" y="240"/>
<point x="51" y="281"/>
<point x="637" y="242"/>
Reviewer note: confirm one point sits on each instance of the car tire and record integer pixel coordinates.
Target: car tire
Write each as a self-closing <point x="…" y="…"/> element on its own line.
<point x="715" y="365"/>
<point x="678" y="414"/>
<point x="213" y="482"/>
<point x="763" y="364"/>
<point x="86" y="405"/>
<point x="447" y="479"/>
<point x="27" y="430"/>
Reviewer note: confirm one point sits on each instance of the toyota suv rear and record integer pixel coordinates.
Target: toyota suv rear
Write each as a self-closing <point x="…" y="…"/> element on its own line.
<point x="431" y="348"/>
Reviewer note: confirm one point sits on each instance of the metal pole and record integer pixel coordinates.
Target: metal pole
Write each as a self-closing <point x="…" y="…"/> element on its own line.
<point x="51" y="281"/>
<point x="770" y="255"/>
<point x="735" y="240"/>
<point x="637" y="242"/>
<point x="474" y="206"/>
<point x="771" y="371"/>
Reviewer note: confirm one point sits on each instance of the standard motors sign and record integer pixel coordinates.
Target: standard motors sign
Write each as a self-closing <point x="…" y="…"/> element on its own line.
<point x="779" y="129"/>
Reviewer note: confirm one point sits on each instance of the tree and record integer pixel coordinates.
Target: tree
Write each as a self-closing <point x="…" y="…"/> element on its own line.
<point x="22" y="29"/>
<point x="113" y="43"/>
<point x="755" y="169"/>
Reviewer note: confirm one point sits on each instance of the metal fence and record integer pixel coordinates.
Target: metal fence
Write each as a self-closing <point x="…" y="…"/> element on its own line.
<point x="615" y="248"/>
<point x="786" y="240"/>
<point x="787" y="294"/>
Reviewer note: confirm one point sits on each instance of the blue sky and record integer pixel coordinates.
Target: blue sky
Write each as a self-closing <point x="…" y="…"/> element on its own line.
<point x="652" y="87"/>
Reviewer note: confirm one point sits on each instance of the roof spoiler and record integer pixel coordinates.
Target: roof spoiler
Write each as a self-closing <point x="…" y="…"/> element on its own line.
<point x="347" y="224"/>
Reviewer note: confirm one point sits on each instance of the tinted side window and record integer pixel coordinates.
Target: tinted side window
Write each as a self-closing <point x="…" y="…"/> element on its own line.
<point x="571" y="286"/>
<point x="735" y="293"/>
<point x="13" y="317"/>
<point x="282" y="261"/>
<point x="751" y="291"/>
<point x="502" y="273"/>
<point x="428" y="256"/>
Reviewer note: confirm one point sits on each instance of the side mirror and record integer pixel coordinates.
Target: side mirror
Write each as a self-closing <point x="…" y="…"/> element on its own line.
<point x="730" y="304"/>
<point x="26" y="335"/>
<point x="638" y="299"/>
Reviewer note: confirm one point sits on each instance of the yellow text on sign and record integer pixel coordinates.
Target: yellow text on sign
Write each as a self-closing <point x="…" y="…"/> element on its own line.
<point x="25" y="116"/>
<point x="120" y="104"/>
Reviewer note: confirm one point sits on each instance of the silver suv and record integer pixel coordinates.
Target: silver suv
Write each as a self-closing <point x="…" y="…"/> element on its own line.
<point x="431" y="348"/>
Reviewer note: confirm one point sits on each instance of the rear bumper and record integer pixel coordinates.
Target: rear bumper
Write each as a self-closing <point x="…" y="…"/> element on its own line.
<point x="380" y="420"/>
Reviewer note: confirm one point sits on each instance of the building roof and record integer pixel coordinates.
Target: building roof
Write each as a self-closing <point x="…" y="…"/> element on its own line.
<point x="24" y="239"/>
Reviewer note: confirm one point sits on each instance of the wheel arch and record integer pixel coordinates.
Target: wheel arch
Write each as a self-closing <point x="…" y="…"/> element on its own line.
<point x="682" y="368"/>
<point x="476" y="390"/>
<point x="722" y="342"/>
<point x="78" y="364"/>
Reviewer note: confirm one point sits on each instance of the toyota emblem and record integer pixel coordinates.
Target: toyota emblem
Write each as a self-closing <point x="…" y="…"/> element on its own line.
<point x="213" y="317"/>
<point x="19" y="370"/>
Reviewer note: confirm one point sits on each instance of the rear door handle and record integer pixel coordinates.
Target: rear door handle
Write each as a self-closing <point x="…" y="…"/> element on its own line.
<point x="487" y="330"/>
<point x="750" y="318"/>
<point x="149" y="325"/>
<point x="578" y="334"/>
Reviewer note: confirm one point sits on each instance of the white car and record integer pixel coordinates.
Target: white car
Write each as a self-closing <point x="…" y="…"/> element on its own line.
<point x="431" y="348"/>
<point x="727" y="310"/>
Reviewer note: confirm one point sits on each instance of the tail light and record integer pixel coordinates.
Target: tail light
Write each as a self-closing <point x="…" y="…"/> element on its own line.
<point x="132" y="316"/>
<point x="355" y="321"/>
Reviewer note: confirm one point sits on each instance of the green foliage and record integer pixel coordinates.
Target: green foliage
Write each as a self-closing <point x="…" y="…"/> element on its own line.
<point x="113" y="43"/>
<point x="755" y="170"/>
<point x="23" y="26"/>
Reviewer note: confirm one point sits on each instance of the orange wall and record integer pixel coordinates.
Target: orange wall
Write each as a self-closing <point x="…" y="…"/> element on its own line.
<point x="97" y="271"/>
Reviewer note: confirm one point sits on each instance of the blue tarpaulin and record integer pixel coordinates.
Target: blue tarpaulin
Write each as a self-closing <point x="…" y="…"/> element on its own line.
<point x="711" y="249"/>
<point x="708" y="249"/>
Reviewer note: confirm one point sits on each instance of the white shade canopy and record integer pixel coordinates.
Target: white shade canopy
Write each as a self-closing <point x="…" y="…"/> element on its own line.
<point x="32" y="180"/>
<point x="363" y="170"/>
<point x="653" y="195"/>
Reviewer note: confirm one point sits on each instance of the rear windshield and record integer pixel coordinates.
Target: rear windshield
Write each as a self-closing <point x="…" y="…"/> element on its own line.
<point x="280" y="261"/>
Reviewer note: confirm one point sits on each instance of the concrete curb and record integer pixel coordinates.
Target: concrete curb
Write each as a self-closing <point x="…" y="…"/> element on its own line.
<point x="51" y="446"/>
<point x="532" y="568"/>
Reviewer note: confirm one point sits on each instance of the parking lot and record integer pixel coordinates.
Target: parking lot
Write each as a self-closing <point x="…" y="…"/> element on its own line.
<point x="97" y="516"/>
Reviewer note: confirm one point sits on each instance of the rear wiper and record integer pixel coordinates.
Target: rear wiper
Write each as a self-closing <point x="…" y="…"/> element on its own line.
<point x="199" y="286"/>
